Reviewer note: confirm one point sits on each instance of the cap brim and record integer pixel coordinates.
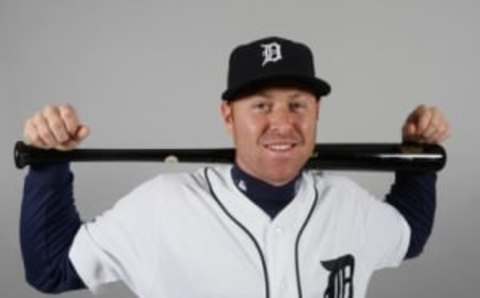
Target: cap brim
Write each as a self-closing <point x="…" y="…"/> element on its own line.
<point x="317" y="86"/>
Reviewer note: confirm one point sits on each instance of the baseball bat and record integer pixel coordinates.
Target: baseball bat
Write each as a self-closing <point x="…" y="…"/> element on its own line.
<point x="411" y="157"/>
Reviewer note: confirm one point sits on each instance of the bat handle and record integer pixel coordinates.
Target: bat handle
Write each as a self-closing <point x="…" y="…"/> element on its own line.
<point x="25" y="155"/>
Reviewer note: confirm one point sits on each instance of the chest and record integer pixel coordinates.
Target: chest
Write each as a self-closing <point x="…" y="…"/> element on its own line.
<point x="216" y="252"/>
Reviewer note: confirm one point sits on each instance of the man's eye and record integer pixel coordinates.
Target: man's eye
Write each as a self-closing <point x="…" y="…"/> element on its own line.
<point x="261" y="106"/>
<point x="296" y="106"/>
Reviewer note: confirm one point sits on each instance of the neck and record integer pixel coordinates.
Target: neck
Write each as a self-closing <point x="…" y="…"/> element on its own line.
<point x="255" y="187"/>
<point x="269" y="181"/>
<point x="272" y="199"/>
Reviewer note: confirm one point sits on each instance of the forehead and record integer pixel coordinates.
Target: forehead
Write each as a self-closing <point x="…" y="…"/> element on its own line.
<point x="273" y="90"/>
<point x="286" y="91"/>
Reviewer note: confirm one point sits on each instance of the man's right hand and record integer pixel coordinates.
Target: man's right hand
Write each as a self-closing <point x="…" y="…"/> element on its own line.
<point x="55" y="127"/>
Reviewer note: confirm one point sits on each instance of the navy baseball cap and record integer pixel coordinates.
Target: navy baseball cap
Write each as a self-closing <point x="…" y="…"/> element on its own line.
<point x="272" y="60"/>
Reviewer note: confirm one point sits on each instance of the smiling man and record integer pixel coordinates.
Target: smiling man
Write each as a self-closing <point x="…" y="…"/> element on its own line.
<point x="263" y="227"/>
<point x="274" y="131"/>
<point x="271" y="107"/>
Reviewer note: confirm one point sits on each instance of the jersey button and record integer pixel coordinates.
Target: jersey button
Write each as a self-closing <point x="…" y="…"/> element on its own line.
<point x="278" y="230"/>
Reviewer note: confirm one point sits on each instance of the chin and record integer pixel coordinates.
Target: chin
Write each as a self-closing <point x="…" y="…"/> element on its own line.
<point x="283" y="176"/>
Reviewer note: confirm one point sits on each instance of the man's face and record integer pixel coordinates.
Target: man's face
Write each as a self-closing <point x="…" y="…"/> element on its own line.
<point x="274" y="131"/>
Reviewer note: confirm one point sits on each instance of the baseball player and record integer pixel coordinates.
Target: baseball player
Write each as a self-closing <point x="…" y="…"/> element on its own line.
<point x="262" y="227"/>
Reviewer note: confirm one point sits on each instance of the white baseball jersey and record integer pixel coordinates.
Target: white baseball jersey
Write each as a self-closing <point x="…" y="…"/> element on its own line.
<point x="196" y="235"/>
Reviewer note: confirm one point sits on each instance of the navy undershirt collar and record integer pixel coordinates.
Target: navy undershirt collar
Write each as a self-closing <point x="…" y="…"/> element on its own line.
<point x="272" y="199"/>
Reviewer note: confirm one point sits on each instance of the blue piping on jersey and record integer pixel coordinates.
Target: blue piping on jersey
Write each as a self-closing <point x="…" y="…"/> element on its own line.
<point x="297" y="242"/>
<point x="257" y="246"/>
<point x="250" y="235"/>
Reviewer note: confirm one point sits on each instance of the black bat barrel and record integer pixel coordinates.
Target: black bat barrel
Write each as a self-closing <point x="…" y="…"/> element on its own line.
<point x="407" y="157"/>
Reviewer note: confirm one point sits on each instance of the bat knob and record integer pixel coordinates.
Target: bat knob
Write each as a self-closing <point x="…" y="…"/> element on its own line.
<point x="19" y="154"/>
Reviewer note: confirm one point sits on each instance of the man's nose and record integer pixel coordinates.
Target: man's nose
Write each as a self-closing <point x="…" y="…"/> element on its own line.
<point x="281" y="119"/>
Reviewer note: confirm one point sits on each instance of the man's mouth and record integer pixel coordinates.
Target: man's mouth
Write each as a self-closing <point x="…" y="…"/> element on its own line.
<point x="280" y="147"/>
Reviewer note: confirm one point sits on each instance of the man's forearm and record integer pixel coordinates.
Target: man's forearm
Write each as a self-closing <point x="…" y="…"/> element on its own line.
<point x="414" y="196"/>
<point x="48" y="224"/>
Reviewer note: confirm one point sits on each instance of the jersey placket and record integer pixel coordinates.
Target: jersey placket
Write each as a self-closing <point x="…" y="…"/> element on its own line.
<point x="280" y="240"/>
<point x="276" y="239"/>
<point x="278" y="248"/>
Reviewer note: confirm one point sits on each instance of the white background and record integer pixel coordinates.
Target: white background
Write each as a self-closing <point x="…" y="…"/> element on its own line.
<point x="149" y="74"/>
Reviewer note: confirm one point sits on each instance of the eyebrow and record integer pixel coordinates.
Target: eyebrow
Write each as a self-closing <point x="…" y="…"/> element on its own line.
<point x="294" y="94"/>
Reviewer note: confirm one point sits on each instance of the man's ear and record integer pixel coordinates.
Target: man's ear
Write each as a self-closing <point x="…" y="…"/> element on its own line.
<point x="226" y="110"/>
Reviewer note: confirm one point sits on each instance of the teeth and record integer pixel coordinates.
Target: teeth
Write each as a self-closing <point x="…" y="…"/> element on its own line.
<point x="280" y="147"/>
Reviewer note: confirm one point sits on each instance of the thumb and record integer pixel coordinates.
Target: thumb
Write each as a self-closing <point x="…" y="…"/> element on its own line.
<point x="411" y="129"/>
<point x="409" y="132"/>
<point x="82" y="133"/>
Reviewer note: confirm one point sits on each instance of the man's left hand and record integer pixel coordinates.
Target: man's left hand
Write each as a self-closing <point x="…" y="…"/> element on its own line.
<point x="426" y="125"/>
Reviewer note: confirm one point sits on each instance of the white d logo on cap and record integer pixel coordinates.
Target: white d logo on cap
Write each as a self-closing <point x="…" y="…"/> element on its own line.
<point x="271" y="52"/>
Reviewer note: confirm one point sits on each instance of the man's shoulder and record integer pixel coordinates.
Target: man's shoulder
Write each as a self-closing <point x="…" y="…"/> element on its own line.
<point x="345" y="195"/>
<point x="341" y="188"/>
<point x="174" y="180"/>
<point x="197" y="179"/>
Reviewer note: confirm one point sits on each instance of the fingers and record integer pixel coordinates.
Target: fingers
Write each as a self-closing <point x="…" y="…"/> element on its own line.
<point x="70" y="118"/>
<point x="32" y="135"/>
<point x="424" y="116"/>
<point x="426" y="125"/>
<point x="82" y="133"/>
<point x="442" y="133"/>
<point x="55" y="127"/>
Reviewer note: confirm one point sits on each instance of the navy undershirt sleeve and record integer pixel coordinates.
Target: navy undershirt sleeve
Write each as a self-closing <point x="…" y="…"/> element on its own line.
<point x="414" y="196"/>
<point x="48" y="223"/>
